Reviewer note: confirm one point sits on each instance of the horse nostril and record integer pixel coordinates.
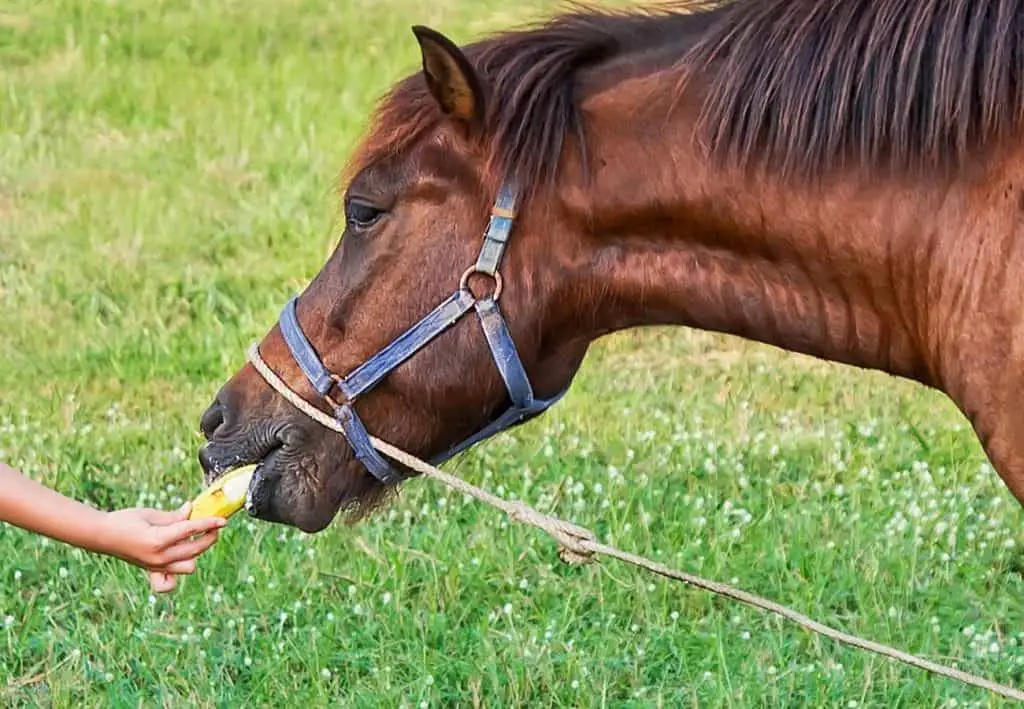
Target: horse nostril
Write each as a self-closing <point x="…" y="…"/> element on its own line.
<point x="212" y="420"/>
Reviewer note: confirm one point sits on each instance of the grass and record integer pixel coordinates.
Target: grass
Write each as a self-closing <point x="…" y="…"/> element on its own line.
<point x="167" y="179"/>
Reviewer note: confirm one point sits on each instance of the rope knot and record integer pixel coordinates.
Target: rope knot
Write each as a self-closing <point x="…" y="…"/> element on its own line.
<point x="575" y="543"/>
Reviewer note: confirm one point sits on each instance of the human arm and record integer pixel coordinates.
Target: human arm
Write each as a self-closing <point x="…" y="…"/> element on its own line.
<point x="156" y="540"/>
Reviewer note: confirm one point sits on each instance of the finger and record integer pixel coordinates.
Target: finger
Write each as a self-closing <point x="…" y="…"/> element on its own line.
<point x="184" y="567"/>
<point x="188" y="549"/>
<point x="178" y="531"/>
<point x="162" y="582"/>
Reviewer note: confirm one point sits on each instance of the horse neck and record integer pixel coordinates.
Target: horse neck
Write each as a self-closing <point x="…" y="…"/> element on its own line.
<point x="863" y="274"/>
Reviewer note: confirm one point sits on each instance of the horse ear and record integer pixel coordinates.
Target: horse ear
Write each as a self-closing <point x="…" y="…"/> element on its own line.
<point x="451" y="78"/>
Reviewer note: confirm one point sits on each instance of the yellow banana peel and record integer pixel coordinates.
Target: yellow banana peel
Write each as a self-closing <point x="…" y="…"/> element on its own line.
<point x="225" y="496"/>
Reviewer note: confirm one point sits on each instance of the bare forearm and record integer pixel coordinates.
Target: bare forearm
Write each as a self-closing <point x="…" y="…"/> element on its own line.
<point x="29" y="505"/>
<point x="165" y="543"/>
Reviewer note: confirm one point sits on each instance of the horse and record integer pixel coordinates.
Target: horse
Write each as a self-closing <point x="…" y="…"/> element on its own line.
<point x="838" y="178"/>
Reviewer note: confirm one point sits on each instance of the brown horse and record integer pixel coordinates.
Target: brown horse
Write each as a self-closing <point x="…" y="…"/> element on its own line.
<point x="841" y="178"/>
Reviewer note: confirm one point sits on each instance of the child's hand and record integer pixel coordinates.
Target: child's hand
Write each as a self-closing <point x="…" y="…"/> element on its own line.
<point x="159" y="541"/>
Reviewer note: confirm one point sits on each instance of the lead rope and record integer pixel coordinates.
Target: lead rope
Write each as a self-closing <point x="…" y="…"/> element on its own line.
<point x="578" y="546"/>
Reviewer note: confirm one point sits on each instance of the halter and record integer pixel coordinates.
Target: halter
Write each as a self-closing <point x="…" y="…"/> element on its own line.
<point x="329" y="386"/>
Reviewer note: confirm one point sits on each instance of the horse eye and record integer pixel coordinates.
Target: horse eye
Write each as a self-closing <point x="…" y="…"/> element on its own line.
<point x="361" y="215"/>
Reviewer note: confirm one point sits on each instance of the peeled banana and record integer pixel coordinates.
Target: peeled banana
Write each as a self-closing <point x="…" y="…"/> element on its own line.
<point x="225" y="496"/>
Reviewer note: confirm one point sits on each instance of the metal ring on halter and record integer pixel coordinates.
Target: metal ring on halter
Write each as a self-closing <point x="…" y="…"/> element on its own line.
<point x="496" y="277"/>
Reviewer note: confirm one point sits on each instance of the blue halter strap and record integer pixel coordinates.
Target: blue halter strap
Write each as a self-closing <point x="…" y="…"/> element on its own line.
<point x="524" y="405"/>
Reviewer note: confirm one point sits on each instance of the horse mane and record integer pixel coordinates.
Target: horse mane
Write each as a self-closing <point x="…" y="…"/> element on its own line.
<point x="794" y="86"/>
<point x="810" y="86"/>
<point x="530" y="76"/>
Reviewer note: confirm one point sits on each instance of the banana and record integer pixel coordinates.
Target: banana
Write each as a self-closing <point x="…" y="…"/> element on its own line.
<point x="225" y="496"/>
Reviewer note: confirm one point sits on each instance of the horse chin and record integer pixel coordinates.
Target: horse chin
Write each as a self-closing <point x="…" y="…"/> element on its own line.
<point x="268" y="501"/>
<point x="276" y="495"/>
<point x="288" y="489"/>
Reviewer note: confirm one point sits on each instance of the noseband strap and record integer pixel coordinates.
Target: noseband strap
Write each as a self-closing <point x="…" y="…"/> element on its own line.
<point x="341" y="392"/>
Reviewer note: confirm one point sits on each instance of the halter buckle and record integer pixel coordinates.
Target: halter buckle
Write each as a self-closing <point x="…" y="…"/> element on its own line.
<point x="496" y="277"/>
<point x="337" y="386"/>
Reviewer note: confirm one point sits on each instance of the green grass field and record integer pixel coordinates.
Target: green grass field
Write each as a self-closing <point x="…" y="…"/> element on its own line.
<point x="168" y="177"/>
